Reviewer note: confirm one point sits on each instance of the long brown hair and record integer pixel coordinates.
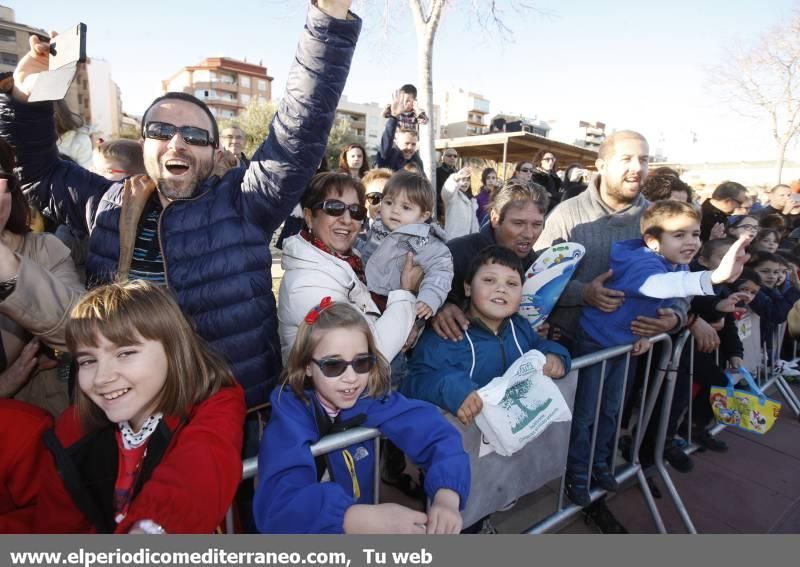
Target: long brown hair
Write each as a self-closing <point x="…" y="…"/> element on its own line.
<point x="336" y="316"/>
<point x="362" y="171"/>
<point x="126" y="312"/>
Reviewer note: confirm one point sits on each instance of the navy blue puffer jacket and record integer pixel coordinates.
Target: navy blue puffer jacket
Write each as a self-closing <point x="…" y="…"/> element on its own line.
<point x="216" y="244"/>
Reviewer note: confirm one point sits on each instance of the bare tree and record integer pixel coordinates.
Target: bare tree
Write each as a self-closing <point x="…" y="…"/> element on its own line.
<point x="764" y="82"/>
<point x="489" y="14"/>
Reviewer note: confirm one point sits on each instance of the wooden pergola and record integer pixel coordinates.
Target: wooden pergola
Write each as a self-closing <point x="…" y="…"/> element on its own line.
<point x="512" y="147"/>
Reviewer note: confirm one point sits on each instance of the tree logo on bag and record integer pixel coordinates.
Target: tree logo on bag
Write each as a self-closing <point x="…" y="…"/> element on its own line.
<point x="513" y="402"/>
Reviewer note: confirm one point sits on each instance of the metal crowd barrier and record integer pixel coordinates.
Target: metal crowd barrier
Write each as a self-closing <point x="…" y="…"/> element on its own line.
<point x="327" y="444"/>
<point x="665" y="375"/>
<point x="648" y="399"/>
<point x="767" y="374"/>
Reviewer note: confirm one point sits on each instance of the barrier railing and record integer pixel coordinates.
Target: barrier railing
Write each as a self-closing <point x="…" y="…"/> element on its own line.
<point x="562" y="513"/>
<point x="663" y="381"/>
<point x="327" y="444"/>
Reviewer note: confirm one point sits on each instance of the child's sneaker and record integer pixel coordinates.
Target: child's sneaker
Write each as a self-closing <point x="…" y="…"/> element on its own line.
<point x="578" y="492"/>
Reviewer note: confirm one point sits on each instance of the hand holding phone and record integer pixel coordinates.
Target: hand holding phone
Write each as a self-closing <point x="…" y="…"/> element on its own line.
<point x="47" y="71"/>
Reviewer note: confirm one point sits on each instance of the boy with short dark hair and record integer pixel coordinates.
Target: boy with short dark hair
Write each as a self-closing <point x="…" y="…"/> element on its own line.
<point x="449" y="373"/>
<point x="409" y="118"/>
<point x="652" y="271"/>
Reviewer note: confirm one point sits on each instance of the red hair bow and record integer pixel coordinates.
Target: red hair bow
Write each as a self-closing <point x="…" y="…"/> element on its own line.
<point x="313" y="315"/>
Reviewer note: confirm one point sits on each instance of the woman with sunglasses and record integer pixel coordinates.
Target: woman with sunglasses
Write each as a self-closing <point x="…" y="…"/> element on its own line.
<point x="335" y="379"/>
<point x="321" y="262"/>
<point x="374" y="181"/>
<point x="545" y="175"/>
<point x="523" y="173"/>
<point x="38" y="286"/>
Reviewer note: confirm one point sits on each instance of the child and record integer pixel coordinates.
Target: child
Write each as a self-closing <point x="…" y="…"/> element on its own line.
<point x="769" y="304"/>
<point x="650" y="271"/>
<point x="335" y="379"/>
<point x="449" y="373"/>
<point x="730" y="301"/>
<point x="766" y="240"/>
<point x="118" y="159"/>
<point x="403" y="226"/>
<point x="409" y="118"/>
<point x="153" y="442"/>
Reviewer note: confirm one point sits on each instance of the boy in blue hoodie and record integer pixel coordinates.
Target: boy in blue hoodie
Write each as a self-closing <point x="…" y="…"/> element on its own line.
<point x="449" y="373"/>
<point x="651" y="271"/>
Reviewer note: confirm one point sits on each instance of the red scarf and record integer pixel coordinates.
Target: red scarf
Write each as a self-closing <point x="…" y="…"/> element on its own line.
<point x="353" y="260"/>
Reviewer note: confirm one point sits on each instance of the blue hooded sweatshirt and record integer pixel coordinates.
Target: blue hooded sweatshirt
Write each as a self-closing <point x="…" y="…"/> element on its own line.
<point x="633" y="264"/>
<point x="444" y="372"/>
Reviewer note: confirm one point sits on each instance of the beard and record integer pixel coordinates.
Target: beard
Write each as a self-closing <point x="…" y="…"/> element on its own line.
<point x="180" y="186"/>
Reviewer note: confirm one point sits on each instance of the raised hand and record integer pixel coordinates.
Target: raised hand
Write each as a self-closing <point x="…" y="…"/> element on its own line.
<point x="335" y="8"/>
<point x="29" y="67"/>
<point x="733" y="261"/>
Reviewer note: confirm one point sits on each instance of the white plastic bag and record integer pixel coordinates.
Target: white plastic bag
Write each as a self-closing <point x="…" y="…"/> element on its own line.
<point x="519" y="405"/>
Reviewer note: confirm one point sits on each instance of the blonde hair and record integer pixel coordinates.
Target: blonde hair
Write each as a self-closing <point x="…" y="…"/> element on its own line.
<point x="336" y="316"/>
<point x="126" y="312"/>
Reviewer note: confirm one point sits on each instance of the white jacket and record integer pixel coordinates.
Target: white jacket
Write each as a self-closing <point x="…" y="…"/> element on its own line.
<point x="311" y="274"/>
<point x="460" y="210"/>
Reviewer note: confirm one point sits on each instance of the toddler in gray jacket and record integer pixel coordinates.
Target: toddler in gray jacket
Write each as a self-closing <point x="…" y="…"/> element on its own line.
<point x="403" y="227"/>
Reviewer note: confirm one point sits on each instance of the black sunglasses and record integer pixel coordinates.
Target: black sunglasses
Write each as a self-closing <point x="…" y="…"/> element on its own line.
<point x="191" y="134"/>
<point x="374" y="198"/>
<point x="526" y="170"/>
<point x="336" y="208"/>
<point x="335" y="367"/>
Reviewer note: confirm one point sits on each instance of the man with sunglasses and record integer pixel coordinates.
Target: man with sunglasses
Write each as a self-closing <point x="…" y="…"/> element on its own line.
<point x="716" y="210"/>
<point x="205" y="236"/>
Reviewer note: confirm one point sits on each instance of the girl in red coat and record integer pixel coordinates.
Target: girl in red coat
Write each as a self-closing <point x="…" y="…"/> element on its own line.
<point x="153" y="441"/>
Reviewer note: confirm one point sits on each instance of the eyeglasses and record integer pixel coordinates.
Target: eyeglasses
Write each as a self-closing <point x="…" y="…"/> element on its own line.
<point x="526" y="170"/>
<point x="335" y="367"/>
<point x="375" y="198"/>
<point x="336" y="208"/>
<point x="750" y="227"/>
<point x="191" y="134"/>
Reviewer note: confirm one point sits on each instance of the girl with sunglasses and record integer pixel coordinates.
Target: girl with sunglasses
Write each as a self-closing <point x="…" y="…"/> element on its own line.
<point x="320" y="262"/>
<point x="336" y="379"/>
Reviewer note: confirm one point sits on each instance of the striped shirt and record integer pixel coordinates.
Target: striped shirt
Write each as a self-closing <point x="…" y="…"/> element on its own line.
<point x="147" y="262"/>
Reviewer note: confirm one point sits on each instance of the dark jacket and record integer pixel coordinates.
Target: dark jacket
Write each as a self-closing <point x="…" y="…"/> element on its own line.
<point x="444" y="372"/>
<point x="390" y="155"/>
<point x="464" y="249"/>
<point x="550" y="181"/>
<point x="215" y="245"/>
<point x="711" y="216"/>
<point x="290" y="497"/>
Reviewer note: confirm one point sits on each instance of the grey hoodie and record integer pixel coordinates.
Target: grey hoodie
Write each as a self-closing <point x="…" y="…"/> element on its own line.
<point x="384" y="253"/>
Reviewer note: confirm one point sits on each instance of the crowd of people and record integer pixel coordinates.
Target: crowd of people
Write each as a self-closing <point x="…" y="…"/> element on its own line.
<point x="145" y="354"/>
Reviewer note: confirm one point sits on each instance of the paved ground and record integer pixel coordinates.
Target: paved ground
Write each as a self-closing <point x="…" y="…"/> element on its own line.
<point x="754" y="488"/>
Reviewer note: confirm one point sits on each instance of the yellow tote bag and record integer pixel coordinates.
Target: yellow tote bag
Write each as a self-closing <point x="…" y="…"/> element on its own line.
<point x="749" y="410"/>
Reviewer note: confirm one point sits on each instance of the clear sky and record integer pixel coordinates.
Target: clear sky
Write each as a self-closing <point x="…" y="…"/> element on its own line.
<point x="629" y="63"/>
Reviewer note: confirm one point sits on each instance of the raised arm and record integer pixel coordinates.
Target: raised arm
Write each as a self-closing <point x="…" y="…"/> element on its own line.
<point x="61" y="187"/>
<point x="285" y="162"/>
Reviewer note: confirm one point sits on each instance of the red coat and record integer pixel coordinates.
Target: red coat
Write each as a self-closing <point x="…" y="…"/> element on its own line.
<point x="22" y="454"/>
<point x="190" y="474"/>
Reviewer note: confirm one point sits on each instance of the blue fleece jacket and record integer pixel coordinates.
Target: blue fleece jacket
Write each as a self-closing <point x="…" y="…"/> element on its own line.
<point x="444" y="372"/>
<point x="633" y="264"/>
<point x="290" y="499"/>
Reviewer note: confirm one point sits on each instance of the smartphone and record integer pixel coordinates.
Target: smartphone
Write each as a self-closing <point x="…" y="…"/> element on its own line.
<point x="67" y="49"/>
